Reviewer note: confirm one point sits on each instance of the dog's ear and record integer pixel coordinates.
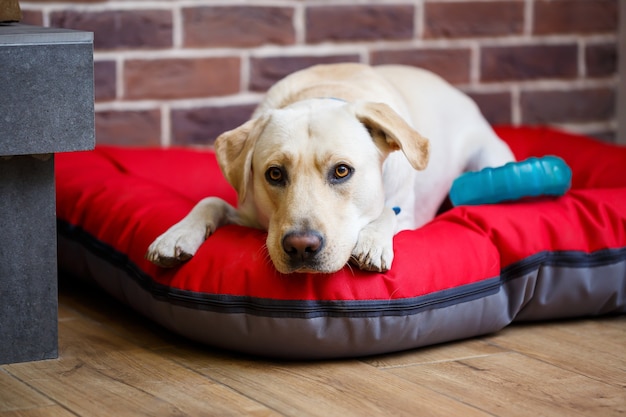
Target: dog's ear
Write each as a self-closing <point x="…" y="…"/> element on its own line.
<point x="234" y="153"/>
<point x="392" y="132"/>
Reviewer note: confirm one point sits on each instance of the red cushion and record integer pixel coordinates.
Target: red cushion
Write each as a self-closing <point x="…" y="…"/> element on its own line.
<point x="470" y="271"/>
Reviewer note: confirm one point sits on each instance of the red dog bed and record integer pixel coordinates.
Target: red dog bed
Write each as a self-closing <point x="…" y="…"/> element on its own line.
<point x="472" y="270"/>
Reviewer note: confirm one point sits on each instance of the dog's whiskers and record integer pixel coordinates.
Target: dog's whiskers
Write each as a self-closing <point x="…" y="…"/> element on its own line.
<point x="266" y="255"/>
<point x="350" y="268"/>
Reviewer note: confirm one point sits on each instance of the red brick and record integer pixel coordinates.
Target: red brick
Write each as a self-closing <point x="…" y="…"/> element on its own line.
<point x="496" y="107"/>
<point x="118" y="29"/>
<point x="575" y="16"/>
<point x="104" y="74"/>
<point x="359" y="23"/>
<point x="473" y="19"/>
<point x="136" y="128"/>
<point x="201" y="126"/>
<point x="181" y="78"/>
<point x="601" y="60"/>
<point x="32" y="17"/>
<point x="452" y="64"/>
<point x="528" y="62"/>
<point x="570" y="106"/>
<point x="238" y="26"/>
<point x="264" y="72"/>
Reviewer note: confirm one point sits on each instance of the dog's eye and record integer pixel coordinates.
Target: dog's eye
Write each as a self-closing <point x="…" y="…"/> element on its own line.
<point x="341" y="173"/>
<point x="275" y="175"/>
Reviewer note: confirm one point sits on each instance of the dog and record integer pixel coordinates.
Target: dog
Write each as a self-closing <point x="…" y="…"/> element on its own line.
<point x="335" y="161"/>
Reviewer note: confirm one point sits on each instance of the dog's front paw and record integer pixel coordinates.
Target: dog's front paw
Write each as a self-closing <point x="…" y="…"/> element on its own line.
<point x="372" y="255"/>
<point x="176" y="245"/>
<point x="374" y="247"/>
<point x="181" y="241"/>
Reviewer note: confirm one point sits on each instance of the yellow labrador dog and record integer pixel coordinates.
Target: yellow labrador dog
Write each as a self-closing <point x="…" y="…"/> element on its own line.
<point x="335" y="161"/>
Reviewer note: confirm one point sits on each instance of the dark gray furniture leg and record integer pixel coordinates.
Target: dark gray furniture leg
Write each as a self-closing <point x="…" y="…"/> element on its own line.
<point x="46" y="106"/>
<point x="28" y="268"/>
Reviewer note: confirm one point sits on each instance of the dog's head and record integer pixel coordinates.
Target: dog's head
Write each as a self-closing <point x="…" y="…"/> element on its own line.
<point x="311" y="174"/>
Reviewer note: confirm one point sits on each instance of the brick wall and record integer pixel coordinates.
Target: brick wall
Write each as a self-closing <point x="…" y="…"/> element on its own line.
<point x="179" y="72"/>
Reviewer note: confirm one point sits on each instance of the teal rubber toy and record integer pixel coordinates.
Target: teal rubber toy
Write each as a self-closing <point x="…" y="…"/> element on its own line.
<point x="533" y="177"/>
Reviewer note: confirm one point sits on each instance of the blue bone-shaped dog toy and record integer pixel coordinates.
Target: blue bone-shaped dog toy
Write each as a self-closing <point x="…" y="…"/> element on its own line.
<point x="548" y="175"/>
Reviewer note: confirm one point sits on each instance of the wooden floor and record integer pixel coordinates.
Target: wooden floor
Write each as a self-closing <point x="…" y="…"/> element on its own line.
<point x="114" y="363"/>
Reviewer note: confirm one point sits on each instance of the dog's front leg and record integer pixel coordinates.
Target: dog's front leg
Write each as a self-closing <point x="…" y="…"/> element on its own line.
<point x="181" y="241"/>
<point x="374" y="248"/>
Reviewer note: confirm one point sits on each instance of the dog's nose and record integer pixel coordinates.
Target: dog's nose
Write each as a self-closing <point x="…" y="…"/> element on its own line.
<point x="302" y="245"/>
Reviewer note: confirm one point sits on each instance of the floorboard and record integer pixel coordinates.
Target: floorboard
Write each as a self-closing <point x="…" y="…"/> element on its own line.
<point x="514" y="384"/>
<point x="115" y="363"/>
